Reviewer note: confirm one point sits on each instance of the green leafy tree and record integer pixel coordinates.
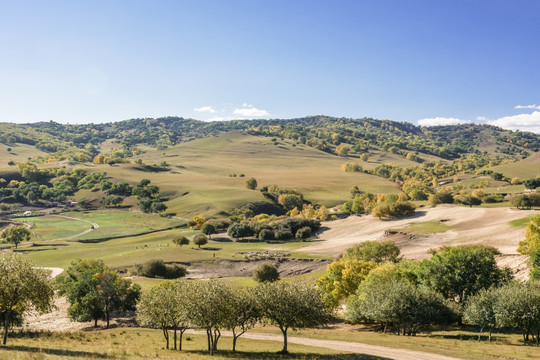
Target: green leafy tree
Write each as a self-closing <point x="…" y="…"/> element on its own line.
<point x="462" y="271"/>
<point x="480" y="310"/>
<point x="251" y="183"/>
<point x="266" y="272"/>
<point x="166" y="306"/>
<point x="22" y="285"/>
<point x="94" y="292"/>
<point x="208" y="229"/>
<point x="243" y="313"/>
<point x="240" y="231"/>
<point x="209" y="309"/>
<point x="200" y="240"/>
<point x="16" y="235"/>
<point x="180" y="240"/>
<point x="291" y="306"/>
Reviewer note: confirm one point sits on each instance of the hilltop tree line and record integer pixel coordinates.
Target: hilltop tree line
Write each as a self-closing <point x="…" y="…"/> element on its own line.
<point x="80" y="142"/>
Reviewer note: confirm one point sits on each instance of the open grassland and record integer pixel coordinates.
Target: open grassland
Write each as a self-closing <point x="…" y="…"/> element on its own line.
<point x="523" y="169"/>
<point x="138" y="343"/>
<point x="201" y="173"/>
<point x="111" y="223"/>
<point x="19" y="152"/>
<point x="134" y="343"/>
<point x="426" y="228"/>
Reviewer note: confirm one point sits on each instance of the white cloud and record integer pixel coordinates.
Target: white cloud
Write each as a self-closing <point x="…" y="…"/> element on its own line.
<point x="250" y="111"/>
<point x="533" y="106"/>
<point x="208" y="109"/>
<point x="523" y="122"/>
<point x="481" y="118"/>
<point x="439" y="121"/>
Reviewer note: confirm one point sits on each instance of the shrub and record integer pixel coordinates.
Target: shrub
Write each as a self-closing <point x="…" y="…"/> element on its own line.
<point x="283" y="234"/>
<point x="266" y="234"/>
<point x="158" y="269"/>
<point x="266" y="273"/>
<point x="303" y="233"/>
<point x="490" y="199"/>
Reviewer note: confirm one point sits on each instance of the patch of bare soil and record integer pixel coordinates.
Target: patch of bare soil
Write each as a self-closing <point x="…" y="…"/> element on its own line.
<point x="479" y="226"/>
<point x="231" y="268"/>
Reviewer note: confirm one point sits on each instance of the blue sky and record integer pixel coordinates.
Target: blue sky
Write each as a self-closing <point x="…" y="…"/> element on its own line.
<point x="436" y="62"/>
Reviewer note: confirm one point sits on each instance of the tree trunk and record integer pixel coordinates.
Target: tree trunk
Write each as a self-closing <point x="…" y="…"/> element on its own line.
<point x="95" y="323"/>
<point x="6" y="326"/>
<point x="166" y="335"/>
<point x="234" y="341"/>
<point x="489" y="336"/>
<point x="107" y="317"/>
<point x="217" y="335"/>
<point x="175" y="337"/>
<point x="182" y="329"/>
<point x="284" y="350"/>
<point x="480" y="333"/>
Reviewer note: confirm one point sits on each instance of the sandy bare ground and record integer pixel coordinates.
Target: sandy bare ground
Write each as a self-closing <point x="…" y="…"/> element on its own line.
<point x="354" y="347"/>
<point x="487" y="226"/>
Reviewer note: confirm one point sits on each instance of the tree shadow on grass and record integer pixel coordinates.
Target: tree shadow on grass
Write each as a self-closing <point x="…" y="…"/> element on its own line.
<point x="57" y="352"/>
<point x="220" y="239"/>
<point x="292" y="355"/>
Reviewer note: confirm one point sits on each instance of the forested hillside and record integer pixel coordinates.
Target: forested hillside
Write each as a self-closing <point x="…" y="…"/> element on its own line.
<point x="81" y="142"/>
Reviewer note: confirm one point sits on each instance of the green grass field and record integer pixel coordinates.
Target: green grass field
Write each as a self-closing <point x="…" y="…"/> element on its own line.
<point x="523" y="169"/>
<point x="523" y="222"/>
<point x="200" y="181"/>
<point x="427" y="227"/>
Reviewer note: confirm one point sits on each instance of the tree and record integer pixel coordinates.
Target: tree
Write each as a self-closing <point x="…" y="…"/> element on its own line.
<point x="531" y="246"/>
<point x="240" y="230"/>
<point x="94" y="292"/>
<point x="209" y="309"/>
<point x="115" y="293"/>
<point x="374" y="251"/>
<point x="251" y="183"/>
<point x="181" y="240"/>
<point x="208" y="229"/>
<point x="521" y="202"/>
<point x="200" y="240"/>
<point x="480" y="310"/>
<point x="166" y="306"/>
<point x="400" y="304"/>
<point x="303" y="233"/>
<point x="291" y="306"/>
<point x="342" y="278"/>
<point x="462" y="271"/>
<point x="266" y="272"/>
<point x="291" y="201"/>
<point x="343" y="150"/>
<point x="22" y="286"/>
<point x="532" y="184"/>
<point x="16" y="235"/>
<point x="243" y="313"/>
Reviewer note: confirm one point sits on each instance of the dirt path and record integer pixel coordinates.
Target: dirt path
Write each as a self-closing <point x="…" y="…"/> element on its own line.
<point x="94" y="226"/>
<point x="487" y="226"/>
<point x="54" y="271"/>
<point x="358" y="348"/>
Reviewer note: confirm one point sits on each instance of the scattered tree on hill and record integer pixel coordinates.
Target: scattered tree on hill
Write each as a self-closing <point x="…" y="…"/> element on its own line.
<point x="200" y="240"/>
<point x="291" y="306"/>
<point x="121" y="188"/>
<point x="158" y="269"/>
<point x="22" y="286"/>
<point x="208" y="229"/>
<point x="352" y="167"/>
<point x="532" y="184"/>
<point x="343" y="150"/>
<point x="16" y="235"/>
<point x="181" y="240"/>
<point x="251" y="183"/>
<point x="266" y="272"/>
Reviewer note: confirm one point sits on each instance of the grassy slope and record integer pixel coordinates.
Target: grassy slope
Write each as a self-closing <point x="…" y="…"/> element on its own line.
<point x="523" y="169"/>
<point x="199" y="180"/>
<point x="19" y="152"/>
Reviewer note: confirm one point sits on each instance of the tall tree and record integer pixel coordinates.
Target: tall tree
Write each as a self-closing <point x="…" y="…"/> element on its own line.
<point x="22" y="286"/>
<point x="243" y="313"/>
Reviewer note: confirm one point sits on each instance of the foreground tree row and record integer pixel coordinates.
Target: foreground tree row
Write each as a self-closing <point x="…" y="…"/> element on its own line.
<point x="214" y="306"/>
